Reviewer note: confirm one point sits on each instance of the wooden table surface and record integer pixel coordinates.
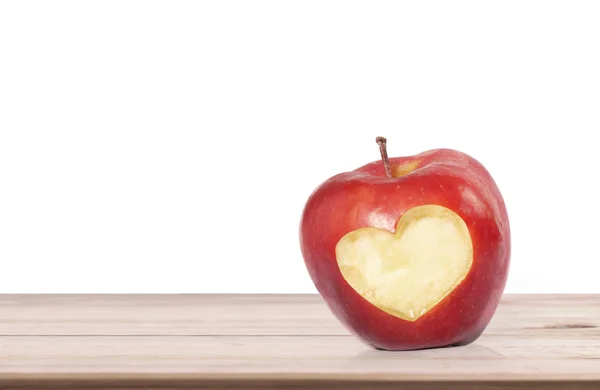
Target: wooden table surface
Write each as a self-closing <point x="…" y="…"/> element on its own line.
<point x="280" y="341"/>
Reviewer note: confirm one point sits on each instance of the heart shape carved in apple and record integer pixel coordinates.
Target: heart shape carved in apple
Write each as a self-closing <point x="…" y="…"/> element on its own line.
<point x="408" y="272"/>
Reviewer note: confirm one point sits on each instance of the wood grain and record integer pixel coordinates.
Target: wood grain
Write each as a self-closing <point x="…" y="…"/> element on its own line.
<point x="280" y="341"/>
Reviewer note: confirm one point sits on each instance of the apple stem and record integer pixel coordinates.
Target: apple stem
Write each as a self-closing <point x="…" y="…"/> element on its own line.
<point x="382" y="142"/>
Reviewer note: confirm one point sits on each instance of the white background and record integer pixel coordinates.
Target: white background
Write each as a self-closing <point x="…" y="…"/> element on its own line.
<point x="169" y="146"/>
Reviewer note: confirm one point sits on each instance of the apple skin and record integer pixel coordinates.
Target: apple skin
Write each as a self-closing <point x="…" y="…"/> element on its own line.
<point x="366" y="197"/>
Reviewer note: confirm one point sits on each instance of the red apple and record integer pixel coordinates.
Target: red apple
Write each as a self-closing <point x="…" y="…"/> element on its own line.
<point x="409" y="252"/>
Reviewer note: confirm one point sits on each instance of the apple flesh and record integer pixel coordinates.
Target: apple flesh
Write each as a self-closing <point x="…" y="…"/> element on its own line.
<point x="416" y="260"/>
<point x="403" y="273"/>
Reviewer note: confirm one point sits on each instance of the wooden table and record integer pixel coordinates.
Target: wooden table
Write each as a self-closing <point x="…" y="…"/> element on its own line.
<point x="280" y="341"/>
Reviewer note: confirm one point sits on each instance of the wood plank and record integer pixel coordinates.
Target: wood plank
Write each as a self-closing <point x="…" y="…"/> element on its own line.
<point x="275" y="353"/>
<point x="159" y="382"/>
<point x="266" y="314"/>
<point x="280" y="341"/>
<point x="234" y="314"/>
